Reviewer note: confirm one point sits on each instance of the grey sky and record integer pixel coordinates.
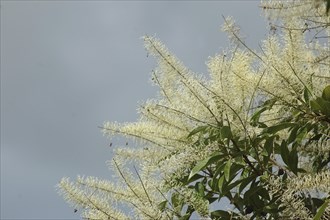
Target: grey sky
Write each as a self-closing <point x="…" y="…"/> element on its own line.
<point x="67" y="66"/>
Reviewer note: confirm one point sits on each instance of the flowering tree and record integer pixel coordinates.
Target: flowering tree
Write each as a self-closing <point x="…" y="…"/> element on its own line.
<point x="255" y="136"/>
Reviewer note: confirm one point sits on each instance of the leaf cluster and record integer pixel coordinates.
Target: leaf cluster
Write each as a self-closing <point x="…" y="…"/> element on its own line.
<point x="243" y="167"/>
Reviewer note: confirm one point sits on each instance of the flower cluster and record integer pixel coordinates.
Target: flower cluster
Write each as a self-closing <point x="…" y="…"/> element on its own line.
<point x="150" y="174"/>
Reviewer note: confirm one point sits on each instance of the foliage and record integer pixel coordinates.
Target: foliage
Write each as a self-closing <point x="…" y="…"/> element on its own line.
<point x="252" y="142"/>
<point x="244" y="167"/>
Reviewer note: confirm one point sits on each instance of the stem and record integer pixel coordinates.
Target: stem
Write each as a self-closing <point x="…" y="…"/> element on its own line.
<point x="246" y="159"/>
<point x="143" y="185"/>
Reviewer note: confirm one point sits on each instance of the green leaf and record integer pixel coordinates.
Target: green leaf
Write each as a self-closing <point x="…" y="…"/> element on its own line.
<point x="193" y="178"/>
<point x="269" y="144"/>
<point x="321" y="210"/>
<point x="326" y="93"/>
<point x="321" y="105"/>
<point x="278" y="127"/>
<point x="198" y="130"/>
<point x="256" y="116"/>
<point x="221" y="182"/>
<point x="270" y="209"/>
<point x="301" y="133"/>
<point x="293" y="160"/>
<point x="245" y="182"/>
<point x="237" y="182"/>
<point x="285" y="152"/>
<point x="256" y="202"/>
<point x="162" y="205"/>
<point x="219" y="168"/>
<point x="202" y="164"/>
<point x="200" y="189"/>
<point x="269" y="103"/>
<point x="251" y="192"/>
<point x="315" y="106"/>
<point x="212" y="199"/>
<point x="306" y="94"/>
<point x="277" y="148"/>
<point x="225" y="132"/>
<point x="325" y="105"/>
<point x="220" y="214"/>
<point x="316" y="137"/>
<point x="175" y="200"/>
<point x="293" y="134"/>
<point x="264" y="194"/>
<point x="227" y="170"/>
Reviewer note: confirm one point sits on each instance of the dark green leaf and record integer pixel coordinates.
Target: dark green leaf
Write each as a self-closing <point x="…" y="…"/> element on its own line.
<point x="245" y="182"/>
<point x="193" y="178"/>
<point x="264" y="194"/>
<point x="301" y="133"/>
<point x="220" y="214"/>
<point x="162" y="205"/>
<point x="293" y="134"/>
<point x="251" y="192"/>
<point x="202" y="164"/>
<point x="270" y="209"/>
<point x="278" y="127"/>
<point x="306" y="94"/>
<point x="236" y="174"/>
<point x="315" y="106"/>
<point x="321" y="105"/>
<point x="225" y="132"/>
<point x="270" y="102"/>
<point x="200" y="189"/>
<point x="220" y="166"/>
<point x="221" y="183"/>
<point x="326" y="93"/>
<point x="256" y="116"/>
<point x="269" y="144"/>
<point x="316" y="137"/>
<point x="198" y="130"/>
<point x="213" y="199"/>
<point x="317" y="202"/>
<point x="312" y="203"/>
<point x="249" y="209"/>
<point x="325" y="105"/>
<point x="238" y="201"/>
<point x="321" y="210"/>
<point x="227" y="170"/>
<point x="176" y="202"/>
<point x="236" y="183"/>
<point x="256" y="201"/>
<point x="293" y="160"/>
<point x="285" y="152"/>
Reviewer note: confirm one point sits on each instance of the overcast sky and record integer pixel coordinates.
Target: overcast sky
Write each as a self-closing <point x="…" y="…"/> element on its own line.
<point x="68" y="66"/>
